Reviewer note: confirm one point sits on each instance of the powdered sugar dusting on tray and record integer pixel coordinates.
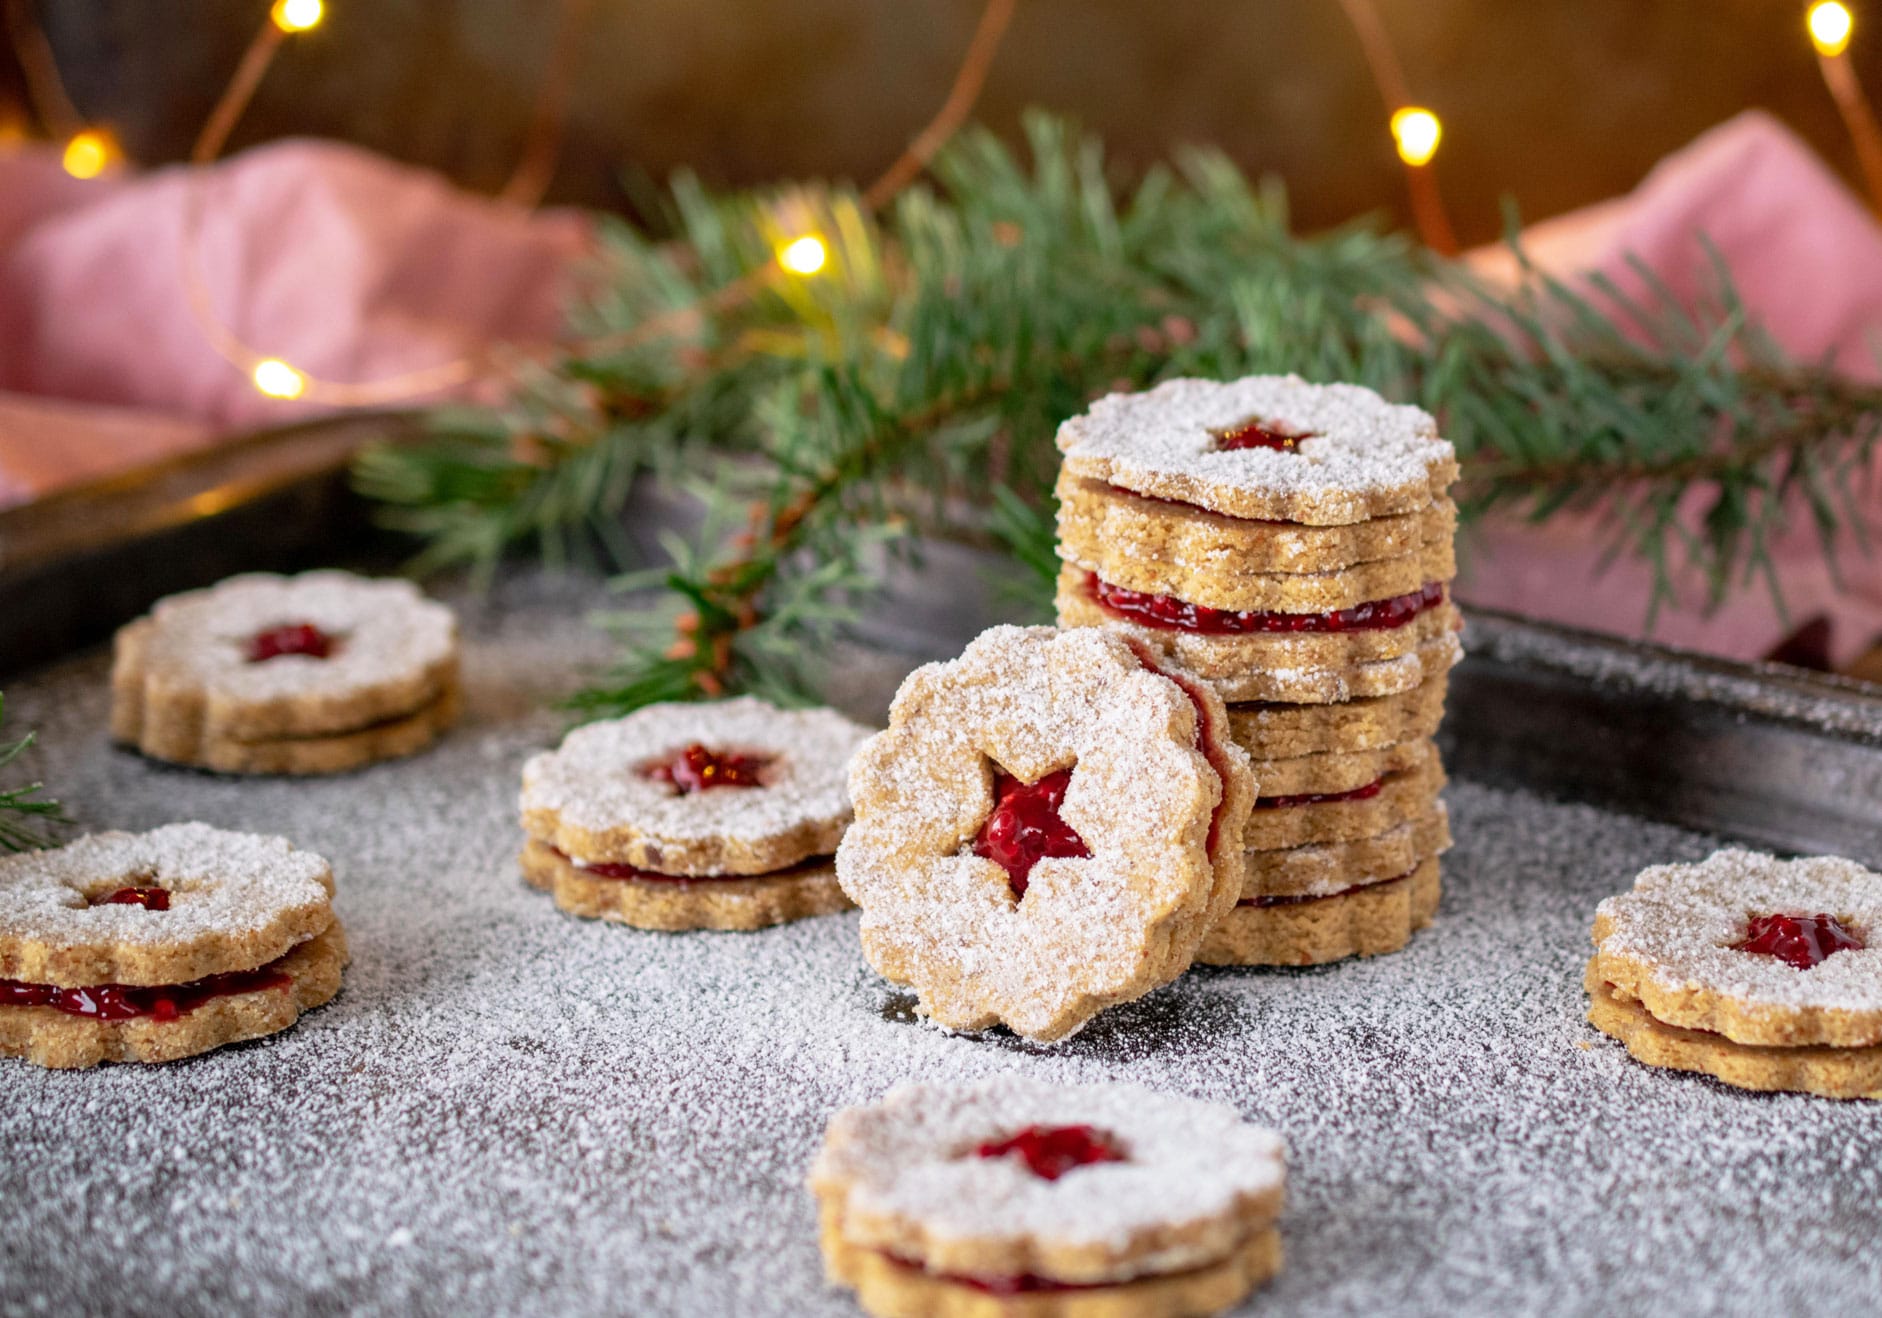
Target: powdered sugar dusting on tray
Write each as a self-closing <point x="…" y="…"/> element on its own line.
<point x="384" y="631"/>
<point x="220" y="882"/>
<point x="508" y="1110"/>
<point x="1185" y="1161"/>
<point x="1686" y="918"/>
<point x="597" y="779"/>
<point x="1164" y="442"/>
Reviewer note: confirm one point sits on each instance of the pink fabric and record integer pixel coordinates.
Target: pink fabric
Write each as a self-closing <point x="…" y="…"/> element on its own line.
<point x="1807" y="260"/>
<point x="348" y="265"/>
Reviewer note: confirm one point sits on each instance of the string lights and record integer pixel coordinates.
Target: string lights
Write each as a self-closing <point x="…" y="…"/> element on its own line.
<point x="1831" y="25"/>
<point x="89" y="153"/>
<point x="803" y="256"/>
<point x="1416" y="131"/>
<point x="277" y="379"/>
<point x="91" y="150"/>
<point x="297" y="15"/>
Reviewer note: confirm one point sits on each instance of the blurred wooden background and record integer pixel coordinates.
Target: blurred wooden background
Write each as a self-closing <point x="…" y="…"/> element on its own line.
<point x="1552" y="102"/>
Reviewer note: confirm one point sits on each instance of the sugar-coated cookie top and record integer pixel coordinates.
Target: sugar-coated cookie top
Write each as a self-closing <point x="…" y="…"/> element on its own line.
<point x="1682" y="920"/>
<point x="599" y="779"/>
<point x="381" y="630"/>
<point x="911" y="1158"/>
<point x="1361" y="457"/>
<point x="228" y="895"/>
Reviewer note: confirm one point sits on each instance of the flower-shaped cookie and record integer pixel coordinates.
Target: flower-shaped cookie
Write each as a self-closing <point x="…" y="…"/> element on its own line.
<point x="711" y="816"/>
<point x="1012" y="1196"/>
<point x="1759" y="971"/>
<point x="152" y="946"/>
<point x="317" y="673"/>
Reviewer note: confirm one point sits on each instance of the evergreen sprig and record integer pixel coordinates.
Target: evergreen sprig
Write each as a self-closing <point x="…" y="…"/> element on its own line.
<point x="913" y="388"/>
<point x="25" y="818"/>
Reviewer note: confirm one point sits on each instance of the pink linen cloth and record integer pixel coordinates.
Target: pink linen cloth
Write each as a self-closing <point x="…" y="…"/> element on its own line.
<point x="349" y="266"/>
<point x="1807" y="260"/>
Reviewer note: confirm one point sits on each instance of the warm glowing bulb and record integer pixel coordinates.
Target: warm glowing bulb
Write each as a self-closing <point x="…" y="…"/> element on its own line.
<point x="1830" y="25"/>
<point x="296" y="15"/>
<point x="277" y="379"/>
<point x="88" y="154"/>
<point x="1418" y="132"/>
<point x="803" y="256"/>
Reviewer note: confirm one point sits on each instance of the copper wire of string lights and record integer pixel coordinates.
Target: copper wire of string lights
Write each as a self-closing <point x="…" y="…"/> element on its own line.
<point x="804" y="255"/>
<point x="1831" y="25"/>
<point x="1416" y="130"/>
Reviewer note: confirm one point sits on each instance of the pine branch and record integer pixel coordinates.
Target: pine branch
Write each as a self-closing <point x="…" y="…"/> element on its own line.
<point x="917" y="384"/>
<point x="24" y="817"/>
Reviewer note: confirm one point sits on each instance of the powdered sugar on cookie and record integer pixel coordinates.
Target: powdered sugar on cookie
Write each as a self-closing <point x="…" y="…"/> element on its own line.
<point x="1012" y="1178"/>
<point x="1680" y="922"/>
<point x="1359" y="456"/>
<point x="234" y="901"/>
<point x="378" y="630"/>
<point x="606" y="794"/>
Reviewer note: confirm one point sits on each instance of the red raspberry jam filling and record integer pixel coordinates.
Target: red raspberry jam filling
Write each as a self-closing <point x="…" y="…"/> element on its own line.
<point x="1802" y="941"/>
<point x="1051" y="1151"/>
<point x="302" y="638"/>
<point x="603" y="869"/>
<point x="1254" y="433"/>
<point x="1172" y="614"/>
<point x="1365" y="793"/>
<point x="123" y="1002"/>
<point x="1025" y="827"/>
<point x="695" y="768"/>
<point x="1024" y="1283"/>
<point x="151" y="899"/>
<point x="1322" y="896"/>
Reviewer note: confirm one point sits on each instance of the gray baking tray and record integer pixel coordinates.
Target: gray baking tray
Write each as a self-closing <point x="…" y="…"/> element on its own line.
<point x="508" y="1110"/>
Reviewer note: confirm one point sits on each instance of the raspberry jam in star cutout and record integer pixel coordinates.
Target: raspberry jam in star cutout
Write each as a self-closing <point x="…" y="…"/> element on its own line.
<point x="151" y="899"/>
<point x="1171" y="614"/>
<point x="123" y="1002"/>
<point x="1051" y="1151"/>
<point x="1025" y="827"/>
<point x="1256" y="433"/>
<point x="696" y="768"/>
<point x="302" y="638"/>
<point x="1802" y="941"/>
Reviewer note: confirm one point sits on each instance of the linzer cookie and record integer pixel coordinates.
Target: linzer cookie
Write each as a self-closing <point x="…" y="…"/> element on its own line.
<point x="1012" y="1198"/>
<point x="1757" y="971"/>
<point x="148" y="947"/>
<point x="1047" y="828"/>
<point x="711" y="816"/>
<point x="317" y="673"/>
<point x="1290" y="544"/>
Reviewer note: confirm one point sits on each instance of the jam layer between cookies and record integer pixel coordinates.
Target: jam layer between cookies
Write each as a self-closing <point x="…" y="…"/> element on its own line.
<point x="160" y="1002"/>
<point x="633" y="873"/>
<point x="1168" y="613"/>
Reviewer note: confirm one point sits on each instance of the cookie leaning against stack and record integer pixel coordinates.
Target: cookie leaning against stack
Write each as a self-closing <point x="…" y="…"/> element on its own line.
<point x="1016" y="1199"/>
<point x="1291" y="544"/>
<point x="716" y="816"/>
<point x="147" y="947"/>
<point x="1048" y="827"/>
<point x="318" y="673"/>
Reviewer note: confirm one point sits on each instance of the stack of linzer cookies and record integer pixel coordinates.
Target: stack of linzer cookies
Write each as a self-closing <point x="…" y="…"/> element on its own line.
<point x="1288" y="543"/>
